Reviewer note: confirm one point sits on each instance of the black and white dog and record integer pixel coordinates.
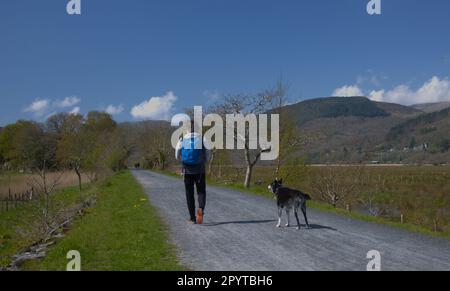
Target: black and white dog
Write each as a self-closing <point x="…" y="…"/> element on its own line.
<point x="289" y="199"/>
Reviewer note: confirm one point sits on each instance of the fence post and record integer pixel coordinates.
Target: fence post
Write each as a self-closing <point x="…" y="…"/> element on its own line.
<point x="348" y="208"/>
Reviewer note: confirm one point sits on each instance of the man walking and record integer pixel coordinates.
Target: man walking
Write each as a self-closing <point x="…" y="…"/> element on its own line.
<point x="192" y="153"/>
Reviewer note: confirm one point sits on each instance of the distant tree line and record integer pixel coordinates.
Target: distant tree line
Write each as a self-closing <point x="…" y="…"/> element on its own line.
<point x="90" y="145"/>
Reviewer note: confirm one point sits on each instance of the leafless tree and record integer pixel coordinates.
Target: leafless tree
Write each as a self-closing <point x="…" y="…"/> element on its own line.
<point x="335" y="185"/>
<point x="246" y="104"/>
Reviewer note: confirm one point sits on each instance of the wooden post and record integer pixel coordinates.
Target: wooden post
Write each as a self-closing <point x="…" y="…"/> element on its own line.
<point x="347" y="206"/>
<point x="401" y="218"/>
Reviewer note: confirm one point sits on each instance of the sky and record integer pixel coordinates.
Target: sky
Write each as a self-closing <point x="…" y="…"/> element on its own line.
<point x="150" y="59"/>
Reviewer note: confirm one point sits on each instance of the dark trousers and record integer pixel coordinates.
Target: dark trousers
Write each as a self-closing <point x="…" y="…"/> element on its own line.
<point x="197" y="180"/>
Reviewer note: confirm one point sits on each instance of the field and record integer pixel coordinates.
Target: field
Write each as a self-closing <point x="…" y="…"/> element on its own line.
<point x="19" y="183"/>
<point x="416" y="195"/>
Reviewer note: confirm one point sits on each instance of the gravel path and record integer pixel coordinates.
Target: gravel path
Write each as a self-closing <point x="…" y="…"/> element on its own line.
<point x="239" y="234"/>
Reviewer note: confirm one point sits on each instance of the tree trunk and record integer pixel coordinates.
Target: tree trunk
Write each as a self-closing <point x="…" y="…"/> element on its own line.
<point x="248" y="176"/>
<point x="77" y="170"/>
<point x="277" y="171"/>
<point x="211" y="161"/>
<point x="250" y="164"/>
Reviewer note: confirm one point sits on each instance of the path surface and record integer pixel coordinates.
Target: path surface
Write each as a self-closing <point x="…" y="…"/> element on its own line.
<point x="239" y="234"/>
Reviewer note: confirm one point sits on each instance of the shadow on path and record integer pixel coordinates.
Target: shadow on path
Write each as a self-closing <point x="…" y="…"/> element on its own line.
<point x="318" y="226"/>
<point x="312" y="226"/>
<point x="238" y="222"/>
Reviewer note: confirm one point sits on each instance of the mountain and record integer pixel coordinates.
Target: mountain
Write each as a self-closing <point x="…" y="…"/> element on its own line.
<point x="350" y="130"/>
<point x="332" y="108"/>
<point x="426" y="136"/>
<point x="353" y="130"/>
<point x="432" y="107"/>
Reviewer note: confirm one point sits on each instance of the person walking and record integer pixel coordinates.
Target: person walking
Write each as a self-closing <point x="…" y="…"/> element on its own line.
<point x="193" y="155"/>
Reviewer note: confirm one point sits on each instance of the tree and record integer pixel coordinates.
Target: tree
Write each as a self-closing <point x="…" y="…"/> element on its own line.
<point x="444" y="145"/>
<point x="100" y="122"/>
<point x="336" y="185"/>
<point x="290" y="140"/>
<point x="73" y="151"/>
<point x="412" y="143"/>
<point x="17" y="143"/>
<point x="247" y="104"/>
<point x="86" y="144"/>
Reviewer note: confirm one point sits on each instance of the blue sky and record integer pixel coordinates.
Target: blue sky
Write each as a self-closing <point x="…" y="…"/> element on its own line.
<point x="189" y="52"/>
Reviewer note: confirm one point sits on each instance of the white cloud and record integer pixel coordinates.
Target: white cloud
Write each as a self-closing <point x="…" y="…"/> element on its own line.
<point x="38" y="107"/>
<point x="75" y="111"/>
<point x="156" y="108"/>
<point x="434" y="90"/>
<point x="67" y="102"/>
<point x="114" y="110"/>
<point x="348" y="91"/>
<point x="44" y="108"/>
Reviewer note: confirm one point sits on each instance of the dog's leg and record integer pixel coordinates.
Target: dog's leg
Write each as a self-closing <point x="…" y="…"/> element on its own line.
<point x="304" y="214"/>
<point x="288" y="217"/>
<point x="296" y="217"/>
<point x="280" y="211"/>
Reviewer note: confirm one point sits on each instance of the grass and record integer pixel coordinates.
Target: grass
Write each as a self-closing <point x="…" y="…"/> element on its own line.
<point x="121" y="232"/>
<point x="12" y="240"/>
<point x="262" y="191"/>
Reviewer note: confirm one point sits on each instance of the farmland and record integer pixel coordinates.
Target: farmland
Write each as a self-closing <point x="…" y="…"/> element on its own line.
<point x="417" y="195"/>
<point x="18" y="183"/>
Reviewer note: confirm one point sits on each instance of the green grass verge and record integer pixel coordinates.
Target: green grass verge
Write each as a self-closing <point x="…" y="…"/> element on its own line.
<point x="121" y="232"/>
<point x="16" y="223"/>
<point x="262" y="191"/>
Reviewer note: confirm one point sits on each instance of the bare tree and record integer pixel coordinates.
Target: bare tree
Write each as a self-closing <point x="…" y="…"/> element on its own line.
<point x="248" y="104"/>
<point x="336" y="184"/>
<point x="46" y="187"/>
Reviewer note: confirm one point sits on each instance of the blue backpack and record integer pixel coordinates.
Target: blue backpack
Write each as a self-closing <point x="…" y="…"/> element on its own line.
<point x="192" y="151"/>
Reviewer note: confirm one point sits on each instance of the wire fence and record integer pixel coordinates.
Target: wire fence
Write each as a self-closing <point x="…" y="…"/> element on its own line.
<point x="13" y="201"/>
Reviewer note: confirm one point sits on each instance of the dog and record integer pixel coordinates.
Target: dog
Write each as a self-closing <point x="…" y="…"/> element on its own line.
<point x="289" y="199"/>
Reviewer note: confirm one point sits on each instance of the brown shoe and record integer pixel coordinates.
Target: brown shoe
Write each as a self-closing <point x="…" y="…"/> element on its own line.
<point x="199" y="216"/>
